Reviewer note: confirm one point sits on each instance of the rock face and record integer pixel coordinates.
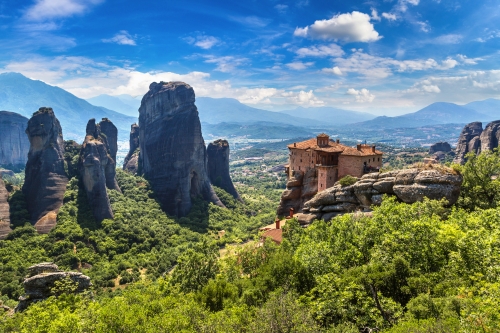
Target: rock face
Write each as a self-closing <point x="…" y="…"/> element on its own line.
<point x="408" y="186"/>
<point x="440" y="146"/>
<point x="172" y="151"/>
<point x="300" y="188"/>
<point x="131" y="162"/>
<point x="474" y="139"/>
<point x="41" y="280"/>
<point x="218" y="166"/>
<point x="46" y="178"/>
<point x="97" y="166"/>
<point x="468" y="141"/>
<point x="14" y="144"/>
<point x="4" y="211"/>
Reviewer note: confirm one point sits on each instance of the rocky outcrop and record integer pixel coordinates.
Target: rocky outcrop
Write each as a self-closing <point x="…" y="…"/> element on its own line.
<point x="408" y="186"/>
<point x="440" y="147"/>
<point x="218" y="166"/>
<point x="468" y="141"/>
<point x="490" y="136"/>
<point x="131" y="162"/>
<point x="4" y="211"/>
<point x="40" y="283"/>
<point x="97" y="166"/>
<point x="300" y="188"/>
<point x="14" y="144"/>
<point x="46" y="179"/>
<point x="172" y="151"/>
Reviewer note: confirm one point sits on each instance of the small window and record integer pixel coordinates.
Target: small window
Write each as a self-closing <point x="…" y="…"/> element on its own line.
<point x="321" y="185"/>
<point x="300" y="160"/>
<point x="379" y="159"/>
<point x="299" y="168"/>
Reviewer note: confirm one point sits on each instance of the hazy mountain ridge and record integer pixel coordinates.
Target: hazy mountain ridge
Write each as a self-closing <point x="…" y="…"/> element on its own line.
<point x="24" y="96"/>
<point x="330" y="115"/>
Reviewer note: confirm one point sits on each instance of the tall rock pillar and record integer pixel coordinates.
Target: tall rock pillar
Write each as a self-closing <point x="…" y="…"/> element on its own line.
<point x="4" y="211"/>
<point x="130" y="164"/>
<point x="469" y="141"/>
<point x="172" y="151"/>
<point x="218" y="167"/>
<point x="45" y="180"/>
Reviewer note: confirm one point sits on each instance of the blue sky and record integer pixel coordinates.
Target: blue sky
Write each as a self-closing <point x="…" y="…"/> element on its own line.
<point x="385" y="57"/>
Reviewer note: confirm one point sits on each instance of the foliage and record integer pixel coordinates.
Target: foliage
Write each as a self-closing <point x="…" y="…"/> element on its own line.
<point x="347" y="180"/>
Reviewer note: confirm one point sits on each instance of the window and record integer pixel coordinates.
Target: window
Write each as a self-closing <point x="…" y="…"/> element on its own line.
<point x="299" y="168"/>
<point x="379" y="159"/>
<point x="300" y="160"/>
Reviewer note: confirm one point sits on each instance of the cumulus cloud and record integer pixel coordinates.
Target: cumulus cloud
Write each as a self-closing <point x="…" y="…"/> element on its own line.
<point x="349" y="27"/>
<point x="203" y="41"/>
<point x="299" y="65"/>
<point x="44" y="10"/>
<point x="375" y="16"/>
<point x="335" y="70"/>
<point x="302" y="97"/>
<point x="332" y="50"/>
<point x="121" y="38"/>
<point x="468" y="61"/>
<point x="425" y="86"/>
<point x="362" y="96"/>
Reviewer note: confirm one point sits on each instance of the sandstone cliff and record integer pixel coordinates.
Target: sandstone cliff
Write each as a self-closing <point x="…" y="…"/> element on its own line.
<point x="408" y="186"/>
<point x="97" y="166"/>
<point x="14" y="144"/>
<point x="300" y="188"/>
<point x="42" y="278"/>
<point x="218" y="166"/>
<point x="131" y="162"/>
<point x="490" y="136"/>
<point x="4" y="211"/>
<point x="172" y="151"/>
<point x="45" y="180"/>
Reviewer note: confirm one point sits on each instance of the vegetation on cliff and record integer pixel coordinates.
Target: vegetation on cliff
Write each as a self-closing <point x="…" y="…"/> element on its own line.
<point x="423" y="267"/>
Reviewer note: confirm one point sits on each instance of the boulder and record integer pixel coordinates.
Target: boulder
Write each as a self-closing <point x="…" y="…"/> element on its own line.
<point x="130" y="164"/>
<point x="295" y="179"/>
<point x="14" y="143"/>
<point x="218" y="167"/>
<point x="417" y="192"/>
<point x="468" y="141"/>
<point x="40" y="283"/>
<point x="4" y="211"/>
<point x="291" y="194"/>
<point x="385" y="185"/>
<point x="306" y="218"/>
<point x="440" y="147"/>
<point x="46" y="179"/>
<point x="172" y="150"/>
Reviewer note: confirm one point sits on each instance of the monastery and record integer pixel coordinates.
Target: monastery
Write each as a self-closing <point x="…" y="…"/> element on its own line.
<point x="332" y="160"/>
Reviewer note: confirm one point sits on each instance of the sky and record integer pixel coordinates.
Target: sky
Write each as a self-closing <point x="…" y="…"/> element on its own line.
<point x="384" y="57"/>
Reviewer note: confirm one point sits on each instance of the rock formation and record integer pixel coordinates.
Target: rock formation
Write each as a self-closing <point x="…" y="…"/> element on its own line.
<point x="97" y="166"/>
<point x="490" y="136"/>
<point x="440" y="146"/>
<point x="131" y="162"/>
<point x="300" y="188"/>
<point x="14" y="144"/>
<point x="218" y="166"/>
<point x="45" y="180"/>
<point x="4" y="211"/>
<point x="40" y="283"/>
<point x="172" y="151"/>
<point x="468" y="141"/>
<point x="408" y="186"/>
<point x="474" y="139"/>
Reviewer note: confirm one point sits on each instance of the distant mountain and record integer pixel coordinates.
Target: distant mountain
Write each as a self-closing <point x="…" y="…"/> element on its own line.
<point x="434" y="114"/>
<point x="490" y="107"/>
<point x="229" y="110"/>
<point x="125" y="104"/>
<point x="24" y="96"/>
<point x="259" y="130"/>
<point x="330" y="116"/>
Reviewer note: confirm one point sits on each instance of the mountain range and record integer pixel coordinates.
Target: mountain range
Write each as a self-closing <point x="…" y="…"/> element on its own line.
<point x="24" y="96"/>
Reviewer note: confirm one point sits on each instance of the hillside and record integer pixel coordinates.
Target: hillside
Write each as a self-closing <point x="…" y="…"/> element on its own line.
<point x="330" y="116"/>
<point x="434" y="114"/>
<point x="490" y="107"/>
<point x="24" y="96"/>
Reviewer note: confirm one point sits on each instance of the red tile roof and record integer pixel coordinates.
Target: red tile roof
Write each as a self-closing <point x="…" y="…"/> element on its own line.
<point x="275" y="234"/>
<point x="334" y="147"/>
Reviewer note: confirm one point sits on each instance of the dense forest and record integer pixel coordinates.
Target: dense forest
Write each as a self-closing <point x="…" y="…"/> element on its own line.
<point x="425" y="267"/>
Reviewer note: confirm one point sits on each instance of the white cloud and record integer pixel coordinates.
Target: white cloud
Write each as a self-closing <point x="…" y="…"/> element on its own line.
<point x="251" y="21"/>
<point x="306" y="98"/>
<point x="332" y="50"/>
<point x="447" y="39"/>
<point x="362" y="96"/>
<point x="423" y="87"/>
<point x="389" y="16"/>
<point x="424" y="26"/>
<point x="121" y="38"/>
<point x="299" y="65"/>
<point x="375" y="16"/>
<point x="448" y="63"/>
<point x="226" y="64"/>
<point x="349" y="27"/>
<point x="203" y="41"/>
<point x="335" y="70"/>
<point x="44" y="10"/>
<point x="468" y="61"/>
